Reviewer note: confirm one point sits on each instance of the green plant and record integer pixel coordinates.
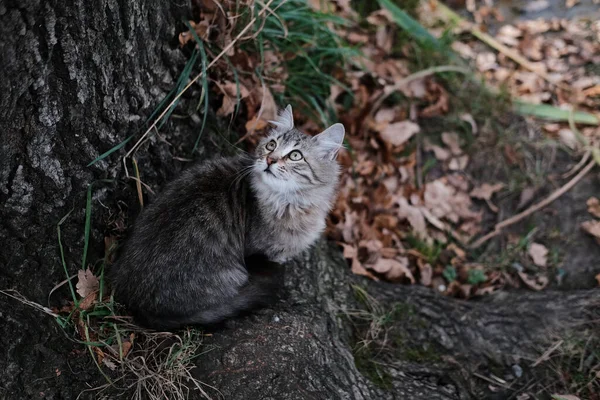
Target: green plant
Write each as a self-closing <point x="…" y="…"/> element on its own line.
<point x="450" y="273"/>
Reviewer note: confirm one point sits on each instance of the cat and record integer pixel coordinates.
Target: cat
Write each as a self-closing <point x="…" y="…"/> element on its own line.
<point x="186" y="261"/>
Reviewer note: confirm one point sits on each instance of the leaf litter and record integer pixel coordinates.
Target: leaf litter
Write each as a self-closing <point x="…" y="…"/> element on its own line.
<point x="394" y="221"/>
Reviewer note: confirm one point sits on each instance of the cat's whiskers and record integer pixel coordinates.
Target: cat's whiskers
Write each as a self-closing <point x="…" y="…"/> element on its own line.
<point x="241" y="174"/>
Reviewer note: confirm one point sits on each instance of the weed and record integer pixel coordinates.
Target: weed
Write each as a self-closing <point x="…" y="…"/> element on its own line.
<point x="572" y="364"/>
<point x="150" y="364"/>
<point x="431" y="252"/>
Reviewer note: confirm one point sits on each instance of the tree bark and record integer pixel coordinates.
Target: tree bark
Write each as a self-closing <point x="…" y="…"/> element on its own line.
<point x="78" y="78"/>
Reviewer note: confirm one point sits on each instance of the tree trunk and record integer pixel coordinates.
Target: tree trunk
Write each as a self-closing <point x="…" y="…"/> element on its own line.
<point x="78" y="78"/>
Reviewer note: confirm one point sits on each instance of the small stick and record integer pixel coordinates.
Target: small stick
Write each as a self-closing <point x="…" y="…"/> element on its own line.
<point x="547" y="353"/>
<point x="516" y="218"/>
<point x="138" y="182"/>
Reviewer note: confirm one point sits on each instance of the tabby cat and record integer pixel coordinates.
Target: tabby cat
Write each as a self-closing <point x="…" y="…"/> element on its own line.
<point x="185" y="262"/>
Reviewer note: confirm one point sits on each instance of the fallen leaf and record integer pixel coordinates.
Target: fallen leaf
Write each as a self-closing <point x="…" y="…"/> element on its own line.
<point x="89" y="300"/>
<point x="414" y="216"/>
<point x="87" y="282"/>
<point x="598" y="279"/>
<point x="592" y="228"/>
<point x="230" y="93"/>
<point x="568" y="138"/>
<point x="126" y="348"/>
<point x="109" y="364"/>
<point x="426" y="274"/>
<point x="594" y="206"/>
<point x="350" y="251"/>
<point x="371" y="249"/>
<point x="527" y="195"/>
<point x="437" y="95"/>
<point x="399" y="133"/>
<point x="539" y="254"/>
<point x="393" y="269"/>
<point x="486" y="191"/>
<point x="458" y="163"/>
<point x="358" y="269"/>
<point x="452" y="140"/>
<point x="385" y="115"/>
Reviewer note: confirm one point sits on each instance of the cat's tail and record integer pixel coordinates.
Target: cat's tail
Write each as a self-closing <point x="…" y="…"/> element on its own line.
<point x="255" y="294"/>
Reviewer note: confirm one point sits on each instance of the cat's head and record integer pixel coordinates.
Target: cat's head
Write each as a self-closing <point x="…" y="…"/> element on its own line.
<point x="288" y="160"/>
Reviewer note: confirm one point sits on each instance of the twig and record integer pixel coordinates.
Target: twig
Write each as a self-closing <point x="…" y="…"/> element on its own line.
<point x="138" y="182"/>
<point x="19" y="297"/>
<point x="492" y="381"/>
<point x="516" y="218"/>
<point x="547" y="353"/>
<point x="577" y="167"/>
<point x="178" y="95"/>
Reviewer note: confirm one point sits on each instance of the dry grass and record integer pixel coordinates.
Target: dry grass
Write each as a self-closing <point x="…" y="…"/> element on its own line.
<point x="159" y="366"/>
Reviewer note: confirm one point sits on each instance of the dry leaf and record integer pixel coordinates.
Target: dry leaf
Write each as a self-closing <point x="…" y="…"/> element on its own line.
<point x="350" y="251"/>
<point x="458" y="163"/>
<point x="565" y="397"/>
<point x="568" y="138"/>
<point x="230" y="93"/>
<point x="89" y="300"/>
<point x="399" y="133"/>
<point x="87" y="283"/>
<point x="414" y="217"/>
<point x="109" y="364"/>
<point x="539" y="254"/>
<point x="358" y="269"/>
<point x="393" y="269"/>
<point x="593" y="205"/>
<point x="592" y="228"/>
<point x="426" y="274"/>
<point x="526" y="196"/>
<point x="452" y="140"/>
<point x="486" y="191"/>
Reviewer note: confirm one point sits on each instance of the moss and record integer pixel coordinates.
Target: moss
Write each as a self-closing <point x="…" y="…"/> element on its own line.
<point x="422" y="354"/>
<point x="366" y="365"/>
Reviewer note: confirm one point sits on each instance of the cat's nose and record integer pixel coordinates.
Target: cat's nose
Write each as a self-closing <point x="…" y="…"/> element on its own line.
<point x="271" y="160"/>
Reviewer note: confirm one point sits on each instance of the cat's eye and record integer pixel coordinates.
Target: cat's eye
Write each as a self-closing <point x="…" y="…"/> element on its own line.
<point x="271" y="145"/>
<point x="295" y="155"/>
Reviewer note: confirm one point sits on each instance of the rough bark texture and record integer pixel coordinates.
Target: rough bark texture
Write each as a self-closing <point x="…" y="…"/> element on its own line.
<point x="78" y="78"/>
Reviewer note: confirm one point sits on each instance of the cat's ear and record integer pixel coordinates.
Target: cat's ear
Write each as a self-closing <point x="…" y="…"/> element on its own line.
<point x="330" y="141"/>
<point x="285" y="120"/>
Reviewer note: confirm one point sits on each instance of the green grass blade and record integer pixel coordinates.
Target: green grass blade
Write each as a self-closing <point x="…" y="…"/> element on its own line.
<point x="109" y="152"/>
<point x="62" y="257"/>
<point x="204" y="63"/>
<point x="412" y="27"/>
<point x="181" y="83"/>
<point x="546" y="111"/>
<point x="88" y="217"/>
